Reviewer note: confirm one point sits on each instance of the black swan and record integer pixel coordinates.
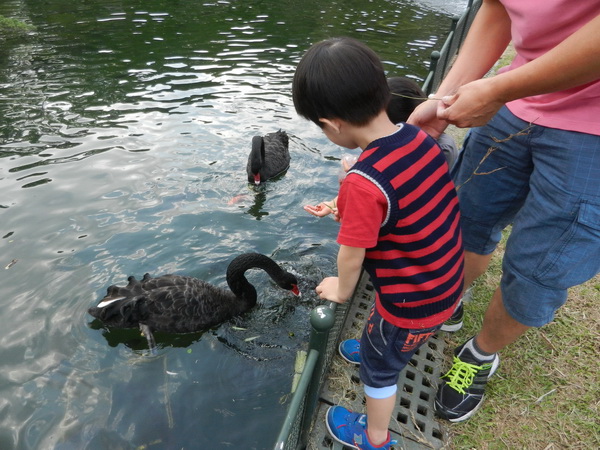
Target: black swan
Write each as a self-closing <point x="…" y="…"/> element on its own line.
<point x="269" y="157"/>
<point x="181" y="304"/>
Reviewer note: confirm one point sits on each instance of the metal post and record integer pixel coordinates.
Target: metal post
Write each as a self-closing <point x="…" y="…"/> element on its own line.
<point x="296" y="403"/>
<point x="428" y="85"/>
<point x="322" y="319"/>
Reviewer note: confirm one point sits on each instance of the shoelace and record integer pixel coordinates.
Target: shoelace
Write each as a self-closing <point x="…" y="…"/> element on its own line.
<point x="461" y="374"/>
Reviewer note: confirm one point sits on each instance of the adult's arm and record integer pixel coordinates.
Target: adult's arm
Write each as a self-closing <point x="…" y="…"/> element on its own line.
<point x="488" y="37"/>
<point x="573" y="62"/>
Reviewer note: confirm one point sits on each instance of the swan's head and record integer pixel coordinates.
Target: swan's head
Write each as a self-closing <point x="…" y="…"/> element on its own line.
<point x="290" y="283"/>
<point x="256" y="159"/>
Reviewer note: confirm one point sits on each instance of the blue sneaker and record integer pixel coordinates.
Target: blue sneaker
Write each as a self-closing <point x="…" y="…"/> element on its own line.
<point x="350" y="428"/>
<point x="350" y="350"/>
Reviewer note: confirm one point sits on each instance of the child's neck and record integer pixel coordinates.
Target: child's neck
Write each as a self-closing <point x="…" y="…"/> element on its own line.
<point x="379" y="127"/>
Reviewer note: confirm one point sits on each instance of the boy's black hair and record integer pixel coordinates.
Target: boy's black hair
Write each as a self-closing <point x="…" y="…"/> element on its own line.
<point x="400" y="108"/>
<point x="340" y="78"/>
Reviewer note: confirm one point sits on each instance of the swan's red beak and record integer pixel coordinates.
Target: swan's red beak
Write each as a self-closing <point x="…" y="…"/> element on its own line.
<point x="257" y="178"/>
<point x="295" y="290"/>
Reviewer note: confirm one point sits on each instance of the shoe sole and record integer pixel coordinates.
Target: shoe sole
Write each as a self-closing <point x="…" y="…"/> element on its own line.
<point x="495" y="365"/>
<point x="346" y="444"/>
<point x="468" y="415"/>
<point x="451" y="328"/>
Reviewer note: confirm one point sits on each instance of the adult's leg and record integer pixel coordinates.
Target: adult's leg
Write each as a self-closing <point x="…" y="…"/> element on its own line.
<point x="554" y="244"/>
<point x="499" y="329"/>
<point x="492" y="181"/>
<point x="475" y="266"/>
<point x="555" y="239"/>
<point x="492" y="178"/>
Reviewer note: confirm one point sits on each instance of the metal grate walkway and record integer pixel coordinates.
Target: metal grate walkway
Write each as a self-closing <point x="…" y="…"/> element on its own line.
<point x="413" y="424"/>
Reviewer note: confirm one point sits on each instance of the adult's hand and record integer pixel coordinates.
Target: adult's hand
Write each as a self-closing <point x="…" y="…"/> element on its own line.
<point x="473" y="105"/>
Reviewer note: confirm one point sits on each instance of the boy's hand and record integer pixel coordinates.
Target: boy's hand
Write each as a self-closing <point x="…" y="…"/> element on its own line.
<point x="426" y="116"/>
<point x="323" y="209"/>
<point x="328" y="290"/>
<point x="317" y="210"/>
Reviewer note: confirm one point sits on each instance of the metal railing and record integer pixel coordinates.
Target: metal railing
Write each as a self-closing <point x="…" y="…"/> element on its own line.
<point x="441" y="61"/>
<point x="326" y="322"/>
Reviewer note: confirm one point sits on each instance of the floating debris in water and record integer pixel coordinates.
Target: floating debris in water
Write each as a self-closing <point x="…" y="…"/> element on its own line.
<point x="10" y="264"/>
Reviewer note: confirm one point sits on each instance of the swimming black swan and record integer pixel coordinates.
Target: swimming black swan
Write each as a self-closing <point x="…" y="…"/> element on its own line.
<point x="180" y="304"/>
<point x="269" y="157"/>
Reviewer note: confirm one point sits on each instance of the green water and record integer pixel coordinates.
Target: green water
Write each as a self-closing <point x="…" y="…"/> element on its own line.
<point x="124" y="132"/>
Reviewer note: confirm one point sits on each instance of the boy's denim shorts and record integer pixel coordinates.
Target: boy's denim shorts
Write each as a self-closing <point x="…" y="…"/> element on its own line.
<point x="546" y="183"/>
<point x="386" y="349"/>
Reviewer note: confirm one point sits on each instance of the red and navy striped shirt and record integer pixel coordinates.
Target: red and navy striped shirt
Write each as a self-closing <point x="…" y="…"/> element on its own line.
<point x="399" y="203"/>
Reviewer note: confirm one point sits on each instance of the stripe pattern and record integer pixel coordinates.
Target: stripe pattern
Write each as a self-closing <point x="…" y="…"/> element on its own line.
<point x="417" y="265"/>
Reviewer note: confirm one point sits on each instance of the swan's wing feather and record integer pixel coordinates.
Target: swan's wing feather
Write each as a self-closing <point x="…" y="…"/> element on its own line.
<point x="149" y="283"/>
<point x="187" y="308"/>
<point x="120" y="312"/>
<point x="133" y="288"/>
<point x="277" y="154"/>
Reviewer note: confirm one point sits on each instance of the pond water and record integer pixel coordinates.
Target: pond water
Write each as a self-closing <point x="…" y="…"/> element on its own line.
<point x="125" y="128"/>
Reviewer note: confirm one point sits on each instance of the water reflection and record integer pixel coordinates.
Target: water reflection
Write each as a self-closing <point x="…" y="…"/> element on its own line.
<point x="125" y="129"/>
<point x="256" y="210"/>
<point x="133" y="339"/>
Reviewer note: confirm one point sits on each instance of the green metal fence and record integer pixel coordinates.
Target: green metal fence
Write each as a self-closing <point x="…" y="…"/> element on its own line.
<point x="327" y="321"/>
<point x="441" y="61"/>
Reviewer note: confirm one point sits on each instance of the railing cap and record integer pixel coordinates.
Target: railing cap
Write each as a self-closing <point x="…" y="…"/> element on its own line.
<point x="322" y="318"/>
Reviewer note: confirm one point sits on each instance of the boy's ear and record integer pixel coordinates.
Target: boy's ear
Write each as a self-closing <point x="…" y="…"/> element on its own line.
<point x="336" y="124"/>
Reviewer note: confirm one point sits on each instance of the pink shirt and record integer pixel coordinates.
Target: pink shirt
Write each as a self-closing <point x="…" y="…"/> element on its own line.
<point x="537" y="27"/>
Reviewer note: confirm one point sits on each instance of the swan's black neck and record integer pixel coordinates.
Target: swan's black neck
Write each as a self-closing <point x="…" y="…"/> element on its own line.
<point x="238" y="283"/>
<point x="258" y="154"/>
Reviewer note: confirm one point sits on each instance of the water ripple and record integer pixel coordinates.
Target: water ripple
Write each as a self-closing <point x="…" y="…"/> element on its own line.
<point x="129" y="124"/>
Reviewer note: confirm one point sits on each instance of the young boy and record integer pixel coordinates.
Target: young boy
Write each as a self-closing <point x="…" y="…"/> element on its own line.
<point x="399" y="220"/>
<point x="406" y="95"/>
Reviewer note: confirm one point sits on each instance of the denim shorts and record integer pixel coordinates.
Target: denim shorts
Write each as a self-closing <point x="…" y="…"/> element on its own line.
<point x="386" y="349"/>
<point x="546" y="183"/>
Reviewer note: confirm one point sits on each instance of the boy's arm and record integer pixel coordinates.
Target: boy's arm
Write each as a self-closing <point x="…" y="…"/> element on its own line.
<point x="339" y="289"/>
